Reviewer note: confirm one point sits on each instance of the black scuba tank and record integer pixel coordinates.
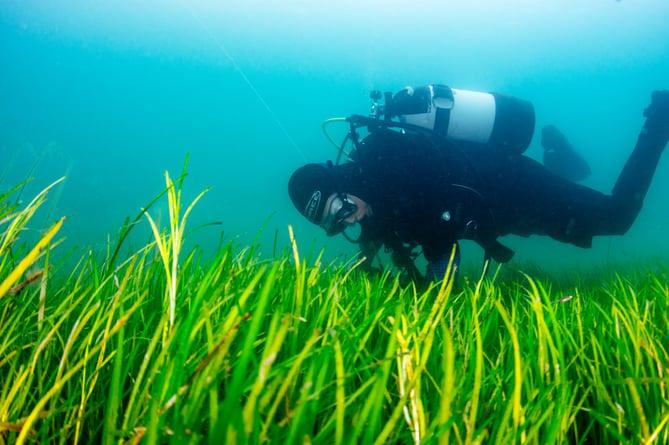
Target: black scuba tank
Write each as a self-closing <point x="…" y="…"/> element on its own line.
<point x="500" y="121"/>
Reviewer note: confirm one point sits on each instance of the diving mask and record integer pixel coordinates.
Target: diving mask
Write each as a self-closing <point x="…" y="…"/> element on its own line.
<point x="340" y="209"/>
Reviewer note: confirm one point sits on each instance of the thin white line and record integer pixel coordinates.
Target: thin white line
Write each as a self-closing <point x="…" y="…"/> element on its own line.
<point x="248" y="82"/>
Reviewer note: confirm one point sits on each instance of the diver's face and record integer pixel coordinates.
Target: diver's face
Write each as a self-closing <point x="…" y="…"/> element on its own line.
<point x="341" y="211"/>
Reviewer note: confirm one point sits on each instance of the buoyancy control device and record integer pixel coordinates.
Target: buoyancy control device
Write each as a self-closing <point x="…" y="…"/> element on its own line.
<point x="499" y="121"/>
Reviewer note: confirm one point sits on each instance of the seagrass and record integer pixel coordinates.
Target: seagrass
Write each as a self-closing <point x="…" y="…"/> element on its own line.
<point x="165" y="346"/>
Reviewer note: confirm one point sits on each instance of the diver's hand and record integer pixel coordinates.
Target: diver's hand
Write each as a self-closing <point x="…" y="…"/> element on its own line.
<point x="407" y="278"/>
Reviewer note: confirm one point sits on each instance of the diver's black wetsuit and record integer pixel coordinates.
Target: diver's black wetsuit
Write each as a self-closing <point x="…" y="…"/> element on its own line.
<point x="433" y="194"/>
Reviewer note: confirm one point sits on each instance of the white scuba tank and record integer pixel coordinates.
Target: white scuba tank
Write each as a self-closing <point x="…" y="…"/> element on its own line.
<point x="501" y="121"/>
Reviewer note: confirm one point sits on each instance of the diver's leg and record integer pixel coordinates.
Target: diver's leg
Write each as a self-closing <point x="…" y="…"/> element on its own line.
<point x="573" y="213"/>
<point x="560" y="157"/>
<point x="527" y="199"/>
<point x="635" y="178"/>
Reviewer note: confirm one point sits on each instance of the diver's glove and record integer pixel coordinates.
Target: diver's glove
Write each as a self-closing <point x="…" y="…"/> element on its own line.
<point x="657" y="115"/>
<point x="408" y="277"/>
<point x="372" y="271"/>
<point x="367" y="267"/>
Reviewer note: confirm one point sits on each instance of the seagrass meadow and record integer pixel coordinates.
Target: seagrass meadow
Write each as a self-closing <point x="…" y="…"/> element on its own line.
<point x="164" y="346"/>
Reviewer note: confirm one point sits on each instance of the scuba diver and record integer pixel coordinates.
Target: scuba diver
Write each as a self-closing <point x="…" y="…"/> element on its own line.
<point x="451" y="167"/>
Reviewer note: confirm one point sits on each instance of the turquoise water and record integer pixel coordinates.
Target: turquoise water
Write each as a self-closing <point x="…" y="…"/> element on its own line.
<point x="113" y="94"/>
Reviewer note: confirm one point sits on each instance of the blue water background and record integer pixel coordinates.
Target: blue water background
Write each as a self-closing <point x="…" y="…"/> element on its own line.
<point x="113" y="94"/>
